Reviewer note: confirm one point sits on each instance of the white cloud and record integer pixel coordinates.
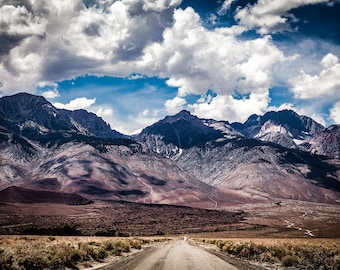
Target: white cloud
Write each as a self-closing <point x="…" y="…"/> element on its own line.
<point x="329" y="61"/>
<point x="320" y="118"/>
<point x="223" y="107"/>
<point x="76" y="104"/>
<point x="284" y="106"/>
<point x="18" y="20"/>
<point x="142" y="119"/>
<point x="174" y="105"/>
<point x="271" y="16"/>
<point x="44" y="42"/>
<point x="142" y="37"/>
<point x="50" y="94"/>
<point x="195" y="59"/>
<point x="325" y="84"/>
<point x="225" y="7"/>
<point x="335" y="113"/>
<point x="103" y="112"/>
<point x="57" y="40"/>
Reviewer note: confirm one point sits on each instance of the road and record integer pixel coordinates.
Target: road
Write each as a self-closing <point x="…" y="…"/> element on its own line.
<point x="178" y="255"/>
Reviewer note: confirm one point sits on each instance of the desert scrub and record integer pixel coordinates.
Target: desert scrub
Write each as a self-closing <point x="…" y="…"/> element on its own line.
<point x="336" y="263"/>
<point x="121" y="246"/>
<point x="289" y="260"/>
<point x="293" y="253"/>
<point x="6" y="259"/>
<point x="37" y="253"/>
<point x="92" y="251"/>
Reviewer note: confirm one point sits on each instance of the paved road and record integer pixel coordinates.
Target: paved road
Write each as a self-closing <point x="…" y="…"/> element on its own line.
<point x="179" y="255"/>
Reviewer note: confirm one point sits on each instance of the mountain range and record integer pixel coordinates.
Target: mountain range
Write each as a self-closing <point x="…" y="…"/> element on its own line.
<point x="181" y="159"/>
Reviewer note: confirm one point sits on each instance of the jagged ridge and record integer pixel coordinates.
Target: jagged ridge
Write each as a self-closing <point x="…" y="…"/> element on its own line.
<point x="181" y="159"/>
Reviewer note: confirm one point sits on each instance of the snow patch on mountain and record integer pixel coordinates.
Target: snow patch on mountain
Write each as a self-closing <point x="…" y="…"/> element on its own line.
<point x="29" y="124"/>
<point x="224" y="127"/>
<point x="270" y="127"/>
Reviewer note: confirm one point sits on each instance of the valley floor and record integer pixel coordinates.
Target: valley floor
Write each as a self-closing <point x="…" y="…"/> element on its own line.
<point x="113" y="218"/>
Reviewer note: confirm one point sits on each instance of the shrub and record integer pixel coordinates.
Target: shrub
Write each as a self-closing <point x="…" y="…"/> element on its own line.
<point x="136" y="243"/>
<point x="311" y="256"/>
<point x="278" y="251"/>
<point x="121" y="246"/>
<point x="99" y="254"/>
<point x="36" y="263"/>
<point x="109" y="245"/>
<point x="289" y="260"/>
<point x="336" y="263"/>
<point x="6" y="259"/>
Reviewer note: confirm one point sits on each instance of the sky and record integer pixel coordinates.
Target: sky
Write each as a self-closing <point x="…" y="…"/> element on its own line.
<point x="132" y="62"/>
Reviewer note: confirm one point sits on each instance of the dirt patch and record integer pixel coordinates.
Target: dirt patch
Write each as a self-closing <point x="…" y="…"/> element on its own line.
<point x="114" y="218"/>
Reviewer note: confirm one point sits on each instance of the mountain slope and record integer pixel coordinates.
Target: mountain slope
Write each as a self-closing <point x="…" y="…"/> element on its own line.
<point x="94" y="125"/>
<point x="182" y="130"/>
<point x="251" y="168"/>
<point x="286" y="128"/>
<point x="111" y="169"/>
<point x="172" y="134"/>
<point x="326" y="142"/>
<point x="262" y="170"/>
<point x="37" y="119"/>
<point x="23" y="195"/>
<point x="33" y="116"/>
<point x="181" y="159"/>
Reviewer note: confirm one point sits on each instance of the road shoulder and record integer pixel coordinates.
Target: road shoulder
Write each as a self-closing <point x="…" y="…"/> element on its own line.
<point x="238" y="263"/>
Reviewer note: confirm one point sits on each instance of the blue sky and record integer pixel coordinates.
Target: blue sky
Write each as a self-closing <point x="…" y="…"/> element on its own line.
<point x="134" y="61"/>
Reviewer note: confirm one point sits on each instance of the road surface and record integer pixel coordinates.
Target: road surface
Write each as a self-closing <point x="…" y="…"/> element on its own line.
<point x="179" y="255"/>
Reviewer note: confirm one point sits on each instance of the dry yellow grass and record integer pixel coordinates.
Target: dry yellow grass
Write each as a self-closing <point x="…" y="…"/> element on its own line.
<point x="321" y="242"/>
<point x="298" y="253"/>
<point x="50" y="252"/>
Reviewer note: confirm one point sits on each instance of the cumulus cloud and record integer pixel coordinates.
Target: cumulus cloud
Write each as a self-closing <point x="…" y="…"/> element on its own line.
<point x="144" y="37"/>
<point x="175" y="105"/>
<point x="324" y="84"/>
<point x="17" y="23"/>
<point x="335" y="113"/>
<point x="271" y="16"/>
<point x="225" y="7"/>
<point x="284" y="106"/>
<point x="195" y="59"/>
<point x="76" y="104"/>
<point x="150" y="38"/>
<point x="50" y="94"/>
<point x="54" y="40"/>
<point x="224" y="107"/>
<point x="44" y="42"/>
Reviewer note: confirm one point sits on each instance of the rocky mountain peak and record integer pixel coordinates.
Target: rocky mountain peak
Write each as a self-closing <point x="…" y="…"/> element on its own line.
<point x="94" y="124"/>
<point x="182" y="130"/>
<point x="182" y="115"/>
<point x="22" y="105"/>
<point x="284" y="127"/>
<point x="326" y="142"/>
<point x="181" y="158"/>
<point x="37" y="119"/>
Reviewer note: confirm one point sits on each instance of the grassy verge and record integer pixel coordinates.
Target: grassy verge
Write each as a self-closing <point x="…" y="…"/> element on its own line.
<point x="34" y="252"/>
<point x="293" y="253"/>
